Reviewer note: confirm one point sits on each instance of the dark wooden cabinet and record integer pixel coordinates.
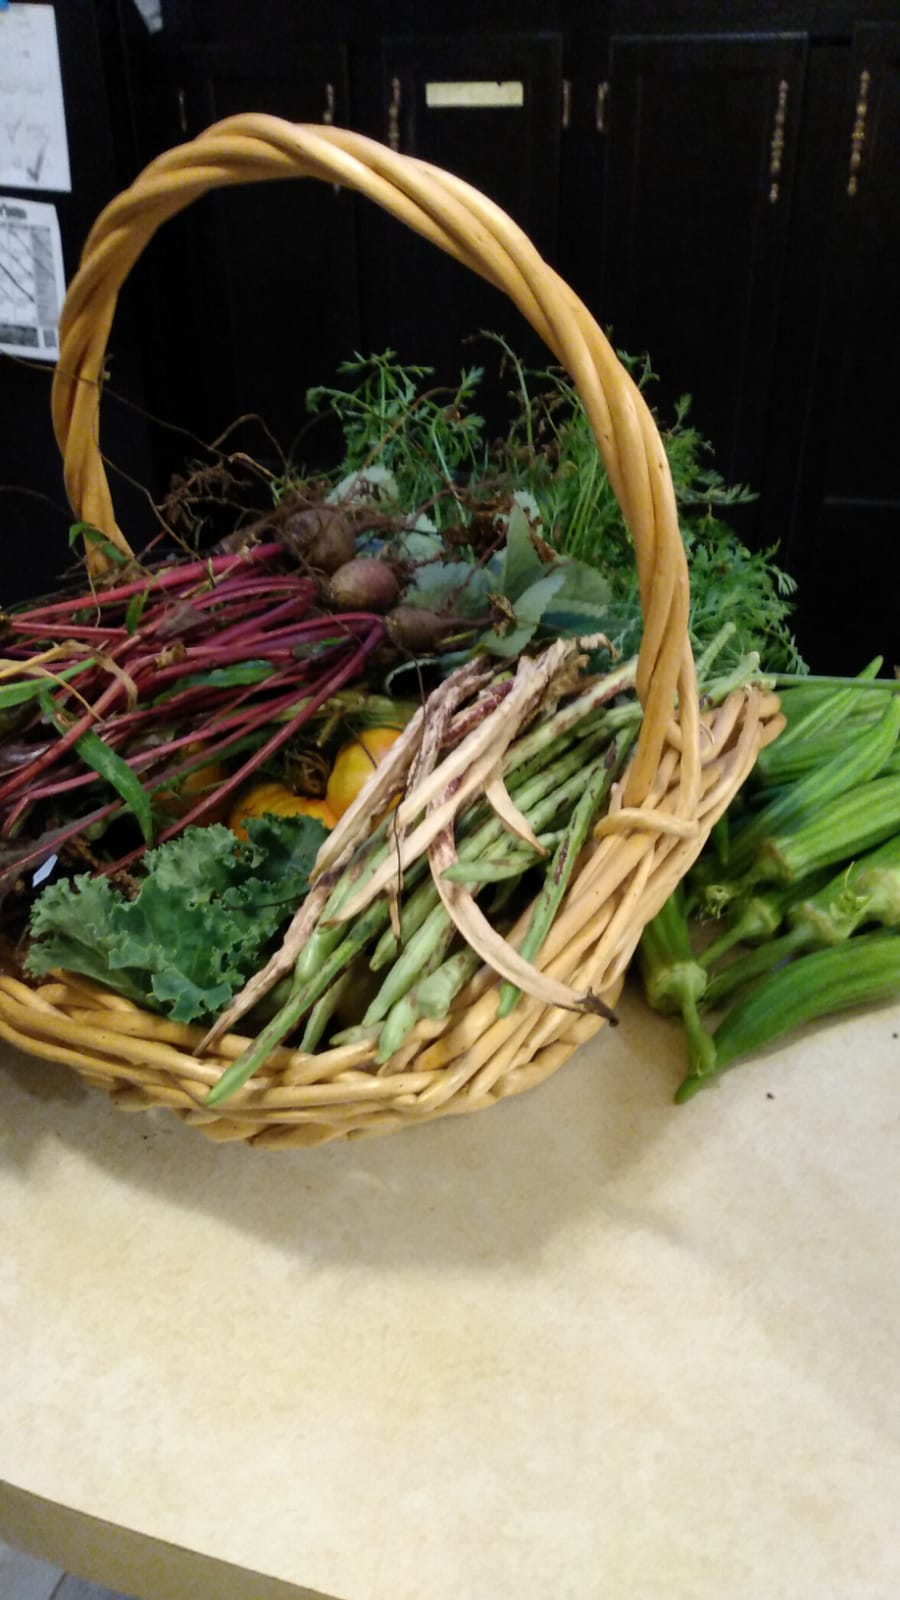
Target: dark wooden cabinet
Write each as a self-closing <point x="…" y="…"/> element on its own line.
<point x="286" y="280"/>
<point x="272" y="278"/>
<point x="488" y="108"/>
<point x="750" y="244"/>
<point x="699" y="188"/>
<point x="844" y="529"/>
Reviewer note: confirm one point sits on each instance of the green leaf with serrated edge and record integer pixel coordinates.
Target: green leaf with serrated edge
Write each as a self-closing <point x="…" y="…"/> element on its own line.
<point x="457" y="586"/>
<point x="206" y="911"/>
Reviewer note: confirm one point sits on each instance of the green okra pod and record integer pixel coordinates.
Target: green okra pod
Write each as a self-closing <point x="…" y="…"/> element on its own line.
<point x="674" y="980"/>
<point x="846" y="826"/>
<point x="859" y="761"/>
<point x="757" y="917"/>
<point x="861" y="971"/>
<point x="864" y="892"/>
<point x="815" y="707"/>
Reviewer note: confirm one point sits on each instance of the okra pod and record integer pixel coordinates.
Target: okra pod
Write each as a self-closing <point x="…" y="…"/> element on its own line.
<point x="825" y="708"/>
<point x="674" y="981"/>
<point x="759" y="916"/>
<point x="858" y="763"/>
<point x="866" y="891"/>
<point x="861" y="971"/>
<point x="852" y="823"/>
<point x="806" y="755"/>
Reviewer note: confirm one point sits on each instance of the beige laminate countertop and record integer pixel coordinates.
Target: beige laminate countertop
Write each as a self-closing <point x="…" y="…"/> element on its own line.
<point x="585" y="1346"/>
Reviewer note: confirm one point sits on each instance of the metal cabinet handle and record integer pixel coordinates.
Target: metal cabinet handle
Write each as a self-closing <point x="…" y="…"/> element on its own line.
<point x="858" y="134"/>
<point x="394" y="115"/>
<point x="776" y="144"/>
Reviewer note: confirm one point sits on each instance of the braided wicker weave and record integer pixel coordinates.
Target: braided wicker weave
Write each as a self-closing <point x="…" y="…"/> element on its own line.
<point x="685" y="770"/>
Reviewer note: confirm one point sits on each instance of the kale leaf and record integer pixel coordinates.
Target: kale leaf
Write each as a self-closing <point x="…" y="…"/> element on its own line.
<point x="199" y="926"/>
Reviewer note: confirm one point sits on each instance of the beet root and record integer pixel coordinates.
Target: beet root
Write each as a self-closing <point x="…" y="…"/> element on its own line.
<point x="364" y="584"/>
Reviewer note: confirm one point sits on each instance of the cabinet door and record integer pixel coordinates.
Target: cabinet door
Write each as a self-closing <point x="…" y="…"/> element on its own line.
<point x="700" y="159"/>
<point x="272" y="266"/>
<point x="488" y="108"/>
<point x="846" y="536"/>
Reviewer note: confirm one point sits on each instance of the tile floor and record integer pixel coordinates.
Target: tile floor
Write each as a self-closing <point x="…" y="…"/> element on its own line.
<point x="23" y="1578"/>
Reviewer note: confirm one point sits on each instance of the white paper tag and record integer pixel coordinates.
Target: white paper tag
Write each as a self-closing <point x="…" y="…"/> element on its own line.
<point x="34" y="148"/>
<point x="32" y="278"/>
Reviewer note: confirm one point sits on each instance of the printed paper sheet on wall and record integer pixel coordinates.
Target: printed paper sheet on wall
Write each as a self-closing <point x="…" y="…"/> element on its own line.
<point x="34" y="149"/>
<point x="32" y="280"/>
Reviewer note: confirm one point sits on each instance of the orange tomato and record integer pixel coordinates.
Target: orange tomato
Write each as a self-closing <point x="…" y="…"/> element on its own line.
<point x="276" y="799"/>
<point x="354" y="764"/>
<point x="178" y="802"/>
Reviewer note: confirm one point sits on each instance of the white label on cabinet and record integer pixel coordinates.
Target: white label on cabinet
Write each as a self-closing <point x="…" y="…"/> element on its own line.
<point x="32" y="280"/>
<point x="474" y="92"/>
<point x="34" y="149"/>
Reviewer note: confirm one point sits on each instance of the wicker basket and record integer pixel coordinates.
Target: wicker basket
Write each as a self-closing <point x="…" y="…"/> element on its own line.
<point x="685" y="770"/>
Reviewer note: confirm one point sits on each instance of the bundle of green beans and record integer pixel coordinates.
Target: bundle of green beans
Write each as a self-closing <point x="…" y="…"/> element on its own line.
<point x="408" y="950"/>
<point x="805" y="873"/>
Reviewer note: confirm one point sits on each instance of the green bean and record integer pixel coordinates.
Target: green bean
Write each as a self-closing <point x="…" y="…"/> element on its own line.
<point x="434" y="935"/>
<point x="437" y="992"/>
<point x="541" y="800"/>
<point x="304" y="994"/>
<point x="494" y="869"/>
<point x="406" y="1010"/>
<point x="323" y="1011"/>
<point x="594" y="787"/>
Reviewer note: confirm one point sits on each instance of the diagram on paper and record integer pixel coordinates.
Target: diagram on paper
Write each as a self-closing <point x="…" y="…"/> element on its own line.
<point x="32" y="280"/>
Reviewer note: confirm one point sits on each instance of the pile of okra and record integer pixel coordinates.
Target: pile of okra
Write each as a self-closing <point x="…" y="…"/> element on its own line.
<point x="792" y="912"/>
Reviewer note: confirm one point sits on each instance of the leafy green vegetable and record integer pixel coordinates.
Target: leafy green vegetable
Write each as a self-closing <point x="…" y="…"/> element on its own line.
<point x="199" y="925"/>
<point x="423" y="436"/>
<point x="453" y="585"/>
<point x="427" y="452"/>
<point x="119" y="775"/>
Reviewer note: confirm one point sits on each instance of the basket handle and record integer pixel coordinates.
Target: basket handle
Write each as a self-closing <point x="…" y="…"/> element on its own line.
<point x="252" y="147"/>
